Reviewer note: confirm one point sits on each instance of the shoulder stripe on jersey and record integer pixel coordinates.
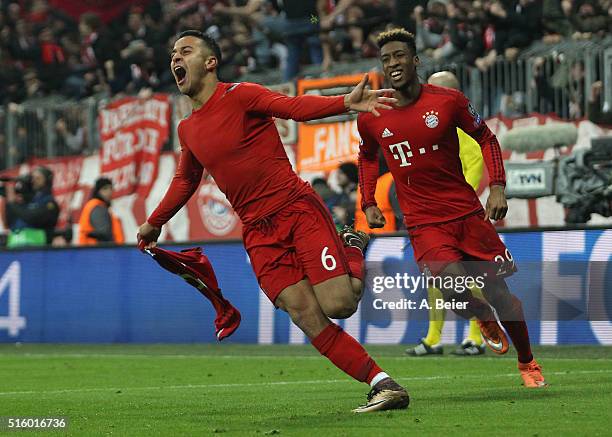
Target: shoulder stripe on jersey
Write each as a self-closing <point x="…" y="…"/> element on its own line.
<point x="232" y="88"/>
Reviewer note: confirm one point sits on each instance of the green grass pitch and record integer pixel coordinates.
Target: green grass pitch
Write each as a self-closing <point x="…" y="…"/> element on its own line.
<point x="291" y="390"/>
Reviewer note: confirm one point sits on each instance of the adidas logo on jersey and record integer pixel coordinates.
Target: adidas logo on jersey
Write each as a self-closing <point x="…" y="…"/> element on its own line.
<point x="387" y="133"/>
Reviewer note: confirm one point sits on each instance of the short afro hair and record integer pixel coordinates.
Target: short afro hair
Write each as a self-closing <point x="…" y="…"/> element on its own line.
<point x="210" y="43"/>
<point x="398" y="34"/>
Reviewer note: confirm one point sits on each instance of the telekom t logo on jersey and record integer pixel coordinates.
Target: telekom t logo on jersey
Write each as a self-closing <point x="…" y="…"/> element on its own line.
<point x="402" y="151"/>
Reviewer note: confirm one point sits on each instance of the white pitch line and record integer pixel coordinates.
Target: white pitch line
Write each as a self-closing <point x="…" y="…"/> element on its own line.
<point x="254" y="357"/>
<point x="277" y="383"/>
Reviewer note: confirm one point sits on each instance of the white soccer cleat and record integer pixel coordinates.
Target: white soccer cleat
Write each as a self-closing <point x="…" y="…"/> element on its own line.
<point x="386" y="395"/>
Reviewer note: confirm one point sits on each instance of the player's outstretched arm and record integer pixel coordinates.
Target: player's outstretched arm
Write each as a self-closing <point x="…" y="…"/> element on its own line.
<point x="258" y="99"/>
<point x="184" y="183"/>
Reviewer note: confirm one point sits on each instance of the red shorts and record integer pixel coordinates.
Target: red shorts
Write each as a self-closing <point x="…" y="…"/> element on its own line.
<point x="470" y="238"/>
<point x="296" y="242"/>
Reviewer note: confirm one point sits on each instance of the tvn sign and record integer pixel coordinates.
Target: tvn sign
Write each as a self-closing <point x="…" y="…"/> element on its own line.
<point x="527" y="179"/>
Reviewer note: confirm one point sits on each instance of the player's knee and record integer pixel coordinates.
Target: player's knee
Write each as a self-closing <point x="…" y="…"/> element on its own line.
<point x="306" y="315"/>
<point x="341" y="308"/>
<point x="357" y="286"/>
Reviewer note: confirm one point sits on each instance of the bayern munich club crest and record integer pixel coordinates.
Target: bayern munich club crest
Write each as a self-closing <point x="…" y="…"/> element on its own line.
<point x="215" y="211"/>
<point x="431" y="119"/>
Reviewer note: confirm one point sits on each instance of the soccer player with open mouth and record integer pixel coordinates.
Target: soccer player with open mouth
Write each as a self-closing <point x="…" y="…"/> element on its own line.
<point x="302" y="264"/>
<point x="450" y="233"/>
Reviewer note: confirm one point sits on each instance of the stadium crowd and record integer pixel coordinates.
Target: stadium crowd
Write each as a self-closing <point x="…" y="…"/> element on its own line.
<point x="44" y="50"/>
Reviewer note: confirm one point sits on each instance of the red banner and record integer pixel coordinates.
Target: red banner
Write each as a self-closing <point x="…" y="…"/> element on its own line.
<point x="132" y="133"/>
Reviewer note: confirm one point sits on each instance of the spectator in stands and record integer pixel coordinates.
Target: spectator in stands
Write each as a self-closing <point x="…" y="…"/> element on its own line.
<point x="70" y="133"/>
<point x="18" y="150"/>
<point x="98" y="224"/>
<point x="555" y="23"/>
<point x="589" y="19"/>
<point x="577" y="98"/>
<point x="329" y="196"/>
<point x="595" y="112"/>
<point x="267" y="27"/>
<point x="33" y="84"/>
<point x="23" y="45"/>
<point x="430" y="25"/>
<point x="96" y="47"/>
<point x="53" y="66"/>
<point x="31" y="210"/>
<point x="56" y="53"/>
<point x="301" y="25"/>
<point x="363" y="17"/>
<point x="517" y="24"/>
<point x="138" y="62"/>
<point x="344" y="208"/>
<point x="11" y="79"/>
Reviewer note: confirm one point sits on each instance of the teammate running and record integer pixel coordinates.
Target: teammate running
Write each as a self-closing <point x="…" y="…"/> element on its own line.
<point x="299" y="259"/>
<point x="472" y="165"/>
<point x="445" y="220"/>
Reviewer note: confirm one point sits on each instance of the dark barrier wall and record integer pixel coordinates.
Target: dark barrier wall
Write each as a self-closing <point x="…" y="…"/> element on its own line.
<point x="120" y="295"/>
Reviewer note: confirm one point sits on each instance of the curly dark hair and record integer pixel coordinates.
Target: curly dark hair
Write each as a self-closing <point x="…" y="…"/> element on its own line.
<point x="398" y="34"/>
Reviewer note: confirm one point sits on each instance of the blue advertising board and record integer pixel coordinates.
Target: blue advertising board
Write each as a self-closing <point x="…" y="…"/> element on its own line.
<point x="119" y="295"/>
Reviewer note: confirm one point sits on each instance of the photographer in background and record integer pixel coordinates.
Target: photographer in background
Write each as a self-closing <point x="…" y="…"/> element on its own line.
<point x="31" y="210"/>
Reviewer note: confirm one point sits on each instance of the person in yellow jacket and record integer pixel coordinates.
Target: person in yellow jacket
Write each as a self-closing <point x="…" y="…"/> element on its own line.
<point x="97" y="223"/>
<point x="472" y="163"/>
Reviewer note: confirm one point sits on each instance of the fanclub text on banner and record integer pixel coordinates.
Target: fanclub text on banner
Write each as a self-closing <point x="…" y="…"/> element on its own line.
<point x="324" y="144"/>
<point x="133" y="132"/>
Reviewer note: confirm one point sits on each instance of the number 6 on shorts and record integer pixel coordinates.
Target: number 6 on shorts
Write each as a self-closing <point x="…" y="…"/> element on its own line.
<point x="328" y="261"/>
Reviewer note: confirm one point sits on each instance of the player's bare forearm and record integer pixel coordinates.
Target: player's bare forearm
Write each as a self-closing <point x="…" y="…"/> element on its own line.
<point x="497" y="206"/>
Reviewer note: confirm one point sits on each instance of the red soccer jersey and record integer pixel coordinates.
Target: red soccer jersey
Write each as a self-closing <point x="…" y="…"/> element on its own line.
<point x="419" y="142"/>
<point x="234" y="137"/>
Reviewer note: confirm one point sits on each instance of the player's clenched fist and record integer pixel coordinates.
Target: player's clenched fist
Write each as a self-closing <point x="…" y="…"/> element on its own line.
<point x="147" y="235"/>
<point x="375" y="217"/>
<point x="497" y="207"/>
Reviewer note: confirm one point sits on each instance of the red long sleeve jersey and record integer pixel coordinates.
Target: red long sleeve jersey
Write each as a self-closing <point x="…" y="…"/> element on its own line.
<point x="234" y="137"/>
<point x="419" y="142"/>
